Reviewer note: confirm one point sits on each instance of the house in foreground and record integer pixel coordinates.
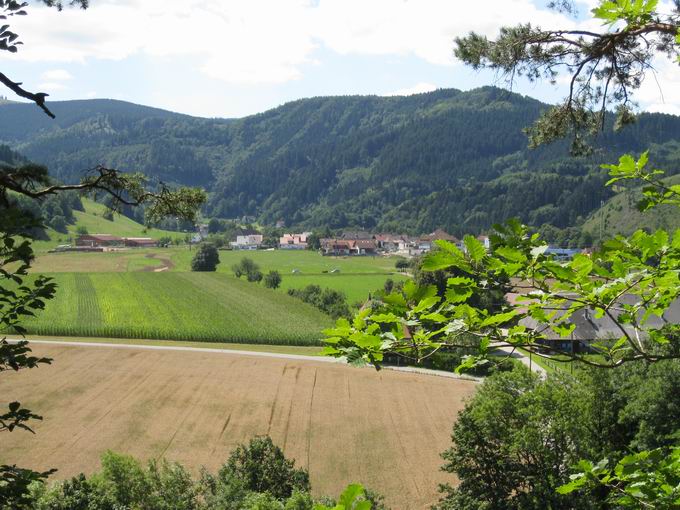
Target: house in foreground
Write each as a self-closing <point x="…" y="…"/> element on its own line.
<point x="589" y="329"/>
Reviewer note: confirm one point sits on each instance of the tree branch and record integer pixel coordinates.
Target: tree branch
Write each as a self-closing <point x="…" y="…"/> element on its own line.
<point x="38" y="98"/>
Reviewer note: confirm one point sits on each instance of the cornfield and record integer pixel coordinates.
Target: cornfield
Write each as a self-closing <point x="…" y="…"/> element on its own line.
<point x="176" y="306"/>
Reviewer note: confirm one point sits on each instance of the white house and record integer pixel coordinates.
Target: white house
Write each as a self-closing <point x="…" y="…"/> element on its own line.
<point x="247" y="242"/>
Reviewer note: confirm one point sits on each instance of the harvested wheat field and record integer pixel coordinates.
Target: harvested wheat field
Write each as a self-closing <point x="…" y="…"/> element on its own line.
<point x="383" y="429"/>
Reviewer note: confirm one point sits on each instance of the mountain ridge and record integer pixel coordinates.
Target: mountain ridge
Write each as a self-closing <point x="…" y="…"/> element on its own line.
<point x="447" y="158"/>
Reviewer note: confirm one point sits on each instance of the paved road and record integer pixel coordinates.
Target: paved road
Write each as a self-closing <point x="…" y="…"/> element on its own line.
<point x="236" y="352"/>
<point x="523" y="358"/>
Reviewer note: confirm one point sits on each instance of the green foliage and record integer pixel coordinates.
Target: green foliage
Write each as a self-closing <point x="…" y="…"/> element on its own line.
<point x="260" y="466"/>
<point x="124" y="482"/>
<point x="353" y="498"/>
<point x="206" y="258"/>
<point x="648" y="479"/>
<point x="272" y="280"/>
<point x="256" y="477"/>
<point x="655" y="191"/>
<point x="535" y="431"/>
<point x="633" y="12"/>
<point x="514" y="442"/>
<point x="329" y="301"/>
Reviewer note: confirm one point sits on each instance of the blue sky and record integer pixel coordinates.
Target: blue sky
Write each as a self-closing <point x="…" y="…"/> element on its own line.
<point x="217" y="58"/>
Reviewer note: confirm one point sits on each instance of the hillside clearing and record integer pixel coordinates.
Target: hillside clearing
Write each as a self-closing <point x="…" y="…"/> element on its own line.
<point x="176" y="306"/>
<point x="343" y="424"/>
<point x="92" y="219"/>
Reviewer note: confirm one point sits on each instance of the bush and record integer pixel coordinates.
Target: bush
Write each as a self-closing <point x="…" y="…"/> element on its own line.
<point x="81" y="230"/>
<point x="206" y="258"/>
<point x="402" y="264"/>
<point x="272" y="280"/>
<point x="254" y="276"/>
<point x="247" y="268"/>
<point x="329" y="301"/>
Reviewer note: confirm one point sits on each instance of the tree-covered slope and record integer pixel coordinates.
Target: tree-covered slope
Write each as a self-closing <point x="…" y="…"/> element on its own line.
<point x="451" y="159"/>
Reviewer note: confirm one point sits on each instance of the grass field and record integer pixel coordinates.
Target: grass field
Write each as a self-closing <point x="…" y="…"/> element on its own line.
<point x="384" y="429"/>
<point x="95" y="223"/>
<point x="357" y="276"/>
<point x="176" y="306"/>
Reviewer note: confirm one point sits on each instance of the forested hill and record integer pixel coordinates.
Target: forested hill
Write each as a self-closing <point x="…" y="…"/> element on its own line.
<point x="450" y="159"/>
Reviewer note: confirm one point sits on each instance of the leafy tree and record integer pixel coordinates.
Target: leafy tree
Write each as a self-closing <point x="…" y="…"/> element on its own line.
<point x="81" y="230"/>
<point x="248" y="268"/>
<point x="272" y="280"/>
<point x="514" y="442"/>
<point x="261" y="467"/>
<point x="402" y="264"/>
<point x="206" y="258"/>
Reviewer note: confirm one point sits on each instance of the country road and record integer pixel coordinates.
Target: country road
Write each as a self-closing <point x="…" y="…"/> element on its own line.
<point x="236" y="352"/>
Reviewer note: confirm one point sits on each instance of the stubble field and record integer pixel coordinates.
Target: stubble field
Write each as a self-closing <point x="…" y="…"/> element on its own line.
<point x="384" y="429"/>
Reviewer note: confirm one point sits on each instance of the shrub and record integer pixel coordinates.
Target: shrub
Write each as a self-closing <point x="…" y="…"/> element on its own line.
<point x="206" y="258"/>
<point x="272" y="280"/>
<point x="330" y="301"/>
<point x="248" y="268"/>
<point x="402" y="264"/>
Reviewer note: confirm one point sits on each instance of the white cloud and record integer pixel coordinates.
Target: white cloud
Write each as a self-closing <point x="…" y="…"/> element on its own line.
<point x="57" y="75"/>
<point x="260" y="41"/>
<point x="270" y="41"/>
<point x="660" y="91"/>
<point x="418" y="88"/>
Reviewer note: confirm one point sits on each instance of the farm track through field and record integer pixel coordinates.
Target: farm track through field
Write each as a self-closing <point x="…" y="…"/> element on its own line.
<point x="385" y="429"/>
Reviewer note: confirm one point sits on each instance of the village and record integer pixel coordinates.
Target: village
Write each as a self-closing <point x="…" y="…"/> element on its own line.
<point x="350" y="243"/>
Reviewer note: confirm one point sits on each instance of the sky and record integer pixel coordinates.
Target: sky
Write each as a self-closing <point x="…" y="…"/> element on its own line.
<point x="232" y="58"/>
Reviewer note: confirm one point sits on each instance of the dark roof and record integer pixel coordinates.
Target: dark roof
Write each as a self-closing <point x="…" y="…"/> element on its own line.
<point x="589" y="327"/>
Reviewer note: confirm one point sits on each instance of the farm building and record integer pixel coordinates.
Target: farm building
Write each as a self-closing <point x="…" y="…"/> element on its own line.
<point x="99" y="240"/>
<point x="140" y="242"/>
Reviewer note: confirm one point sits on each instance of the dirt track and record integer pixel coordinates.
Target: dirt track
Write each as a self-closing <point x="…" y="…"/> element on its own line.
<point x="384" y="429"/>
